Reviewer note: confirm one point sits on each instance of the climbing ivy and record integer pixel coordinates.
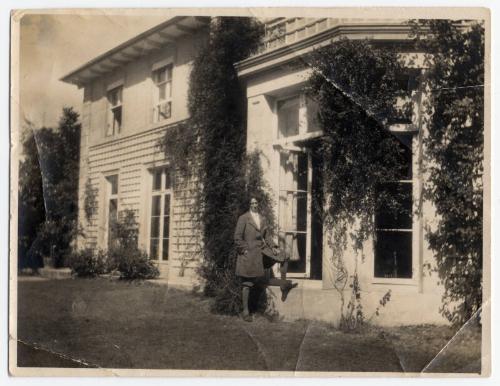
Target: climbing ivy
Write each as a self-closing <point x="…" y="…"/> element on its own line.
<point x="359" y="155"/>
<point x="454" y="144"/>
<point x="211" y="147"/>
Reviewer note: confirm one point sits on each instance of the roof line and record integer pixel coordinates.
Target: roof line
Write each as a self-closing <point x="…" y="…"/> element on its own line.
<point x="123" y="45"/>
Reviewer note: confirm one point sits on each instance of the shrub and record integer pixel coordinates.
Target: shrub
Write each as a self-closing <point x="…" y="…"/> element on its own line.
<point x="87" y="263"/>
<point x="132" y="263"/>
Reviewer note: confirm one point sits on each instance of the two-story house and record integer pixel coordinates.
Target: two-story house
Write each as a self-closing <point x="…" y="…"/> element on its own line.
<point x="132" y="95"/>
<point x="136" y="91"/>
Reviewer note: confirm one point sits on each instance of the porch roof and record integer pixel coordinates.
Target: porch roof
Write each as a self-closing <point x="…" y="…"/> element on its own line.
<point x="379" y="31"/>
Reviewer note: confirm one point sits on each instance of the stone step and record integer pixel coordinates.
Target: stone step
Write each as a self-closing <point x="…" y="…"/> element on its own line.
<point x="55" y="273"/>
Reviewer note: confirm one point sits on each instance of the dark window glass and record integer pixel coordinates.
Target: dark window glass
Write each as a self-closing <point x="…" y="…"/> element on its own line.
<point x="165" y="249"/>
<point x="301" y="214"/>
<point x="168" y="182"/>
<point x="117" y="119"/>
<point x="396" y="209"/>
<point x="154" y="249"/>
<point x="113" y="181"/>
<point x="393" y="254"/>
<point x="113" y="209"/>
<point x="155" y="227"/>
<point x="157" y="179"/>
<point x="156" y="206"/>
<point x="405" y="167"/>
<point x="302" y="171"/>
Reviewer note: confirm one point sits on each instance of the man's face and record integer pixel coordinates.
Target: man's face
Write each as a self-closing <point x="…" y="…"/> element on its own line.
<point x="254" y="205"/>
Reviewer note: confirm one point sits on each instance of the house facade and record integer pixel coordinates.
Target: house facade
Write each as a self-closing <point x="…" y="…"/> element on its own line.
<point x="134" y="93"/>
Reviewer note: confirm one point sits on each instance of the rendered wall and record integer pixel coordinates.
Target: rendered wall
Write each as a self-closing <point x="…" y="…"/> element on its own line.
<point x="411" y="300"/>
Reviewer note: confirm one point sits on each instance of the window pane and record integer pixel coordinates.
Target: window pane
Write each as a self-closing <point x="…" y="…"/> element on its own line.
<point x="162" y="92"/>
<point x="156" y="206"/>
<point x="157" y="179"/>
<point x="168" y="89"/>
<point x="161" y="75"/>
<point x="113" y="209"/>
<point x="113" y="182"/>
<point x="117" y="118"/>
<point x="167" y="205"/>
<point x="301" y="212"/>
<point x="164" y="253"/>
<point x="393" y="254"/>
<point x="288" y="117"/>
<point x="153" y="250"/>
<point x="395" y="211"/>
<point x="164" y="110"/>
<point x="405" y="167"/>
<point x="168" y="182"/>
<point x="312" y="115"/>
<point x="166" y="226"/>
<point x="166" y="217"/>
<point x="155" y="226"/>
<point x="302" y="171"/>
<point x="294" y="246"/>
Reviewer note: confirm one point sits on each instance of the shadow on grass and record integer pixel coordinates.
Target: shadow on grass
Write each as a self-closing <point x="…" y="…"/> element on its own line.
<point x="116" y="324"/>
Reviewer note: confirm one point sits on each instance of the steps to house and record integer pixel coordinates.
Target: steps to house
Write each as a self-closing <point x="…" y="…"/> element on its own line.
<point x="55" y="273"/>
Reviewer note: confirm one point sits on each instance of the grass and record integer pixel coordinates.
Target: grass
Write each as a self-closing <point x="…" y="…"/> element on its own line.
<point x="116" y="324"/>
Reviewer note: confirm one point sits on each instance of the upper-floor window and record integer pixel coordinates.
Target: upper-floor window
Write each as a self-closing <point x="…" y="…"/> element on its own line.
<point x="162" y="78"/>
<point x="297" y="115"/>
<point x="114" y="122"/>
<point x="407" y="84"/>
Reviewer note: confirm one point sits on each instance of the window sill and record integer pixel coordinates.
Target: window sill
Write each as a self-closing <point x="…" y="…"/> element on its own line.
<point x="164" y="122"/>
<point x="395" y="281"/>
<point x="288" y="142"/>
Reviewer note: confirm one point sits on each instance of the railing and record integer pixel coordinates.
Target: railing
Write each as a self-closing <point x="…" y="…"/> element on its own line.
<point x="282" y="31"/>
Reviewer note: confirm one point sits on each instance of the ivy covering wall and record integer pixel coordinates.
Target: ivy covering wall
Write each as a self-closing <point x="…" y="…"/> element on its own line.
<point x="211" y="146"/>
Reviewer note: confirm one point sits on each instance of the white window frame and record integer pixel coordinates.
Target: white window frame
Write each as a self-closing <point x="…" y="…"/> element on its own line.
<point x="110" y="196"/>
<point x="289" y="144"/>
<point x="162" y="192"/>
<point x="286" y="151"/>
<point x="415" y="227"/>
<point x="112" y="126"/>
<point x="304" y="121"/>
<point x="162" y="103"/>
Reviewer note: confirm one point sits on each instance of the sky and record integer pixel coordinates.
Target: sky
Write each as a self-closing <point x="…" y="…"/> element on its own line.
<point x="51" y="45"/>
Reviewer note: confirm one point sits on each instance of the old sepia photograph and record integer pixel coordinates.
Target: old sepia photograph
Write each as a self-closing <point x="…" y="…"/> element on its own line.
<point x="250" y="192"/>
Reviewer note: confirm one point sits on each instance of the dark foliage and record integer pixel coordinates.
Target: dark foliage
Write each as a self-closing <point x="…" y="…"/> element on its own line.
<point x="211" y="147"/>
<point x="358" y="154"/>
<point x="49" y="177"/>
<point x="87" y="263"/>
<point x="124" y="254"/>
<point x="217" y="107"/>
<point x="454" y="151"/>
<point x="31" y="209"/>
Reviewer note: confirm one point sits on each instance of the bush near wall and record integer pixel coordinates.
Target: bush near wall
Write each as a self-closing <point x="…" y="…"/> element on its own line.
<point x="131" y="263"/>
<point x="124" y="254"/>
<point x="87" y="263"/>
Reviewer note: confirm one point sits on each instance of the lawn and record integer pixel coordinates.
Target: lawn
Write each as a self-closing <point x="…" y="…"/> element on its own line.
<point x="115" y="324"/>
